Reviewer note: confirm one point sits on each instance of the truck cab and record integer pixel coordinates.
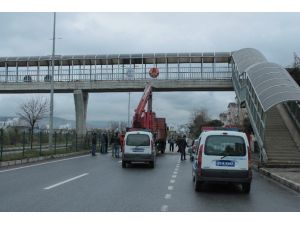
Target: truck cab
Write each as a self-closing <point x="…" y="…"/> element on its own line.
<point x="139" y="147"/>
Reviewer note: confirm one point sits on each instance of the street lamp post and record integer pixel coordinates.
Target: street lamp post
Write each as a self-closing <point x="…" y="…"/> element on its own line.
<point x="128" y="121"/>
<point x="52" y="88"/>
<point x="130" y="75"/>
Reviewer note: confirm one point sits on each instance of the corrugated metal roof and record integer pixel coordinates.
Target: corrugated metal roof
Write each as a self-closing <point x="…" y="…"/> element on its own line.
<point x="247" y="57"/>
<point x="272" y="84"/>
<point x="148" y="58"/>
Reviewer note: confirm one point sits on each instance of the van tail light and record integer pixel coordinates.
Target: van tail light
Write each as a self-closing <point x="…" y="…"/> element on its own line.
<point x="200" y="159"/>
<point x="249" y="158"/>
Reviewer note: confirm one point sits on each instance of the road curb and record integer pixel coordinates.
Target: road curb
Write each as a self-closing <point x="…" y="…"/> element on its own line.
<point x="40" y="158"/>
<point x="280" y="179"/>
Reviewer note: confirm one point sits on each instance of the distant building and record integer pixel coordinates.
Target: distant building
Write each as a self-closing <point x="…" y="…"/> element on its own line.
<point x="223" y="117"/>
<point x="234" y="115"/>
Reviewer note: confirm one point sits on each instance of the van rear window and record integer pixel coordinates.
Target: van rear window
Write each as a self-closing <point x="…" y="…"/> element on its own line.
<point x="137" y="140"/>
<point x="225" y="145"/>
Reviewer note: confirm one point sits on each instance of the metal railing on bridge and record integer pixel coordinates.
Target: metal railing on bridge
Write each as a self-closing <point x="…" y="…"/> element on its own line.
<point x="202" y="66"/>
<point x="98" y="74"/>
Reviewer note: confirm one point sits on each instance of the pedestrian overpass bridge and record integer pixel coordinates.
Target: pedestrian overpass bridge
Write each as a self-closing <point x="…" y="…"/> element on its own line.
<point x="266" y="89"/>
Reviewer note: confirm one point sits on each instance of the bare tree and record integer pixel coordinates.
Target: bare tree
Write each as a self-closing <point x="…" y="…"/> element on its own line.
<point x="33" y="111"/>
<point x="198" y="119"/>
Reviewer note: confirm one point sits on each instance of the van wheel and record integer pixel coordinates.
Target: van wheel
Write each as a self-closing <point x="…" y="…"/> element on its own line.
<point x="151" y="164"/>
<point x="198" y="186"/>
<point x="123" y="164"/>
<point x="246" y="187"/>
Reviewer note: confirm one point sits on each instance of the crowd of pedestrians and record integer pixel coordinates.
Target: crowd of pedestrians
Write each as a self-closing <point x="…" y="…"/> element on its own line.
<point x="117" y="142"/>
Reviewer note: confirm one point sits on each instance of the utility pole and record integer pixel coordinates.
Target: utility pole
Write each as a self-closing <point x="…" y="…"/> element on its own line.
<point x="128" y="121"/>
<point x="52" y="88"/>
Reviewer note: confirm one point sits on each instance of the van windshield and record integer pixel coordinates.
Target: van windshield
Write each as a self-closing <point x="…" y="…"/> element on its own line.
<point x="137" y="140"/>
<point x="225" y="145"/>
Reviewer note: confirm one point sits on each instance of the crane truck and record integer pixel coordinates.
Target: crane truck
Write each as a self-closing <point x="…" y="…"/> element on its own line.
<point x="146" y="119"/>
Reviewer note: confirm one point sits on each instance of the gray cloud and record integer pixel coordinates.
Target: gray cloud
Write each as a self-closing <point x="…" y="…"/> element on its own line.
<point x="274" y="34"/>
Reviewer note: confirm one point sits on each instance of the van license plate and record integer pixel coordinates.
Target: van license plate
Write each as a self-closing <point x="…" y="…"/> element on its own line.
<point x="228" y="163"/>
<point x="137" y="149"/>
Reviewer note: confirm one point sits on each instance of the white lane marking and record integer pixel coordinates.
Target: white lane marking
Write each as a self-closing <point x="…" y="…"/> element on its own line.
<point x="172" y="181"/>
<point x="175" y="172"/>
<point x="174" y="176"/>
<point x="168" y="196"/>
<point x="164" y="208"/>
<point x="65" y="181"/>
<point x="40" y="164"/>
<point x="176" y="169"/>
<point x="170" y="188"/>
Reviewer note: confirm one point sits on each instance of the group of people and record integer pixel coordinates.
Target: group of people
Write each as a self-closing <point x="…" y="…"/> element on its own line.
<point x="103" y="141"/>
<point x="181" y="143"/>
<point x="117" y="140"/>
<point x="118" y="144"/>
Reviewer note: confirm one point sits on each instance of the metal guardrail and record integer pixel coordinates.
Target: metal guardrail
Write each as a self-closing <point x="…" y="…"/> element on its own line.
<point x="14" y="142"/>
<point x="64" y="140"/>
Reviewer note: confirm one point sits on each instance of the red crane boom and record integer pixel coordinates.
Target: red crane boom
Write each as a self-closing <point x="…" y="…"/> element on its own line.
<point x="142" y="118"/>
<point x="147" y="119"/>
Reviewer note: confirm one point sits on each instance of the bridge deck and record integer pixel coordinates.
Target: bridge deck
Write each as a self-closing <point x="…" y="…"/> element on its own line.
<point x="119" y="86"/>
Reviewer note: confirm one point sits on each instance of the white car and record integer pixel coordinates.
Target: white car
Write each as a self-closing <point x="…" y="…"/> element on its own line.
<point x="222" y="156"/>
<point x="139" y="147"/>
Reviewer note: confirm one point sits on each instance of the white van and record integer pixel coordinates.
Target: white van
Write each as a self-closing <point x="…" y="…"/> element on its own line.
<point x="222" y="156"/>
<point x="139" y="147"/>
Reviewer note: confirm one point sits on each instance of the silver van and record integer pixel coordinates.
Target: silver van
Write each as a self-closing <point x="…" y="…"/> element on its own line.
<point x="222" y="156"/>
<point x="139" y="147"/>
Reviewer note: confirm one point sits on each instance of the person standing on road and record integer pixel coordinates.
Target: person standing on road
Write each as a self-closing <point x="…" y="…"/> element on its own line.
<point x="94" y="143"/>
<point x="104" y="142"/>
<point x="122" y="141"/>
<point x="115" y="140"/>
<point x="181" y="146"/>
<point x="172" y="142"/>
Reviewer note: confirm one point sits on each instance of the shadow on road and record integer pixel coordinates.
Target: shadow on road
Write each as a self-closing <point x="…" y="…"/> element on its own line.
<point x="138" y="166"/>
<point x="215" y="188"/>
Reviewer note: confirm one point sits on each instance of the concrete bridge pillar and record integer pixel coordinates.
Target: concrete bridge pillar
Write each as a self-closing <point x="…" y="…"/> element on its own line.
<point x="81" y="101"/>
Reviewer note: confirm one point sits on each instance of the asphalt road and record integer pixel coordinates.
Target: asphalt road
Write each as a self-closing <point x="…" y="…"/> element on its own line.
<point x="99" y="183"/>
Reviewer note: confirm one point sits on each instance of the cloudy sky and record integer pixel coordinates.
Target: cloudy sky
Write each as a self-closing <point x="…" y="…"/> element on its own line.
<point x="276" y="35"/>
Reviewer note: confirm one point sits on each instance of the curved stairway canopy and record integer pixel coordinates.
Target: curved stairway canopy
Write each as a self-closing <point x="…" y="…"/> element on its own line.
<point x="271" y="83"/>
<point x="263" y="86"/>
